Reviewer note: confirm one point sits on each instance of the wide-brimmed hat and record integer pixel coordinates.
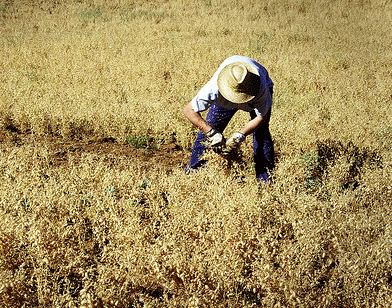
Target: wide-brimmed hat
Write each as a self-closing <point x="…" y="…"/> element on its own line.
<point x="239" y="82"/>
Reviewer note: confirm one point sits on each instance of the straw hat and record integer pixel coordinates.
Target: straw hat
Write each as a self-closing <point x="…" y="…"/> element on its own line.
<point x="239" y="82"/>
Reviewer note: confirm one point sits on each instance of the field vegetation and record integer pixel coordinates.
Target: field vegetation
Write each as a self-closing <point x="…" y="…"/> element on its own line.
<point x="95" y="208"/>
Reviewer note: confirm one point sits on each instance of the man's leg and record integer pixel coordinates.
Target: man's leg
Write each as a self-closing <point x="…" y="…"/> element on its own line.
<point x="263" y="149"/>
<point x="218" y="118"/>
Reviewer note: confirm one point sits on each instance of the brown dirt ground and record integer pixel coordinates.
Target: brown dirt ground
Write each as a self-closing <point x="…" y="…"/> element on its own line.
<point x="167" y="157"/>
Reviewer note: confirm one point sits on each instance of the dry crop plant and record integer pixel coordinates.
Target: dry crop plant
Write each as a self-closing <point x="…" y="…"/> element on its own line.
<point x="88" y="221"/>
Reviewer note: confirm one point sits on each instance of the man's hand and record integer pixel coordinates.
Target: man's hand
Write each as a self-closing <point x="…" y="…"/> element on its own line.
<point x="216" y="140"/>
<point x="233" y="143"/>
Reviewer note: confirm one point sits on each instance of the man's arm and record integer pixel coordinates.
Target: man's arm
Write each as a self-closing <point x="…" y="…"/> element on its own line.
<point x="215" y="138"/>
<point x="234" y="142"/>
<point x="252" y="125"/>
<point x="196" y="119"/>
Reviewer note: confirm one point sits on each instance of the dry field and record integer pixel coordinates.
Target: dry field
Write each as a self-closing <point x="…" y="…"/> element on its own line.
<point x="95" y="208"/>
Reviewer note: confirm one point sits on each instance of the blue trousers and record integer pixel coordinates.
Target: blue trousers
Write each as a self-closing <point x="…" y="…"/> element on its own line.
<point x="263" y="148"/>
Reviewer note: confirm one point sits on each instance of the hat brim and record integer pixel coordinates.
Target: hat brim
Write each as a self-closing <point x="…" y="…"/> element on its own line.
<point x="229" y="93"/>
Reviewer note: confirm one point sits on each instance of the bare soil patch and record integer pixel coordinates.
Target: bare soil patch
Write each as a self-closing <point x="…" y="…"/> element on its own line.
<point x="60" y="150"/>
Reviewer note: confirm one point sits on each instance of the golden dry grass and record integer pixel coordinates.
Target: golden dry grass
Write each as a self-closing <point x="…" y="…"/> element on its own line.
<point x="87" y="220"/>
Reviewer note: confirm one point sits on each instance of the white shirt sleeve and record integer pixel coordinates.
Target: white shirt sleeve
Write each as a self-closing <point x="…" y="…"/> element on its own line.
<point x="205" y="97"/>
<point x="258" y="113"/>
<point x="263" y="104"/>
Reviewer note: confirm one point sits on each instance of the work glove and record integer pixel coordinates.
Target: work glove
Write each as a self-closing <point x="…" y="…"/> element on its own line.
<point x="216" y="140"/>
<point x="233" y="144"/>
